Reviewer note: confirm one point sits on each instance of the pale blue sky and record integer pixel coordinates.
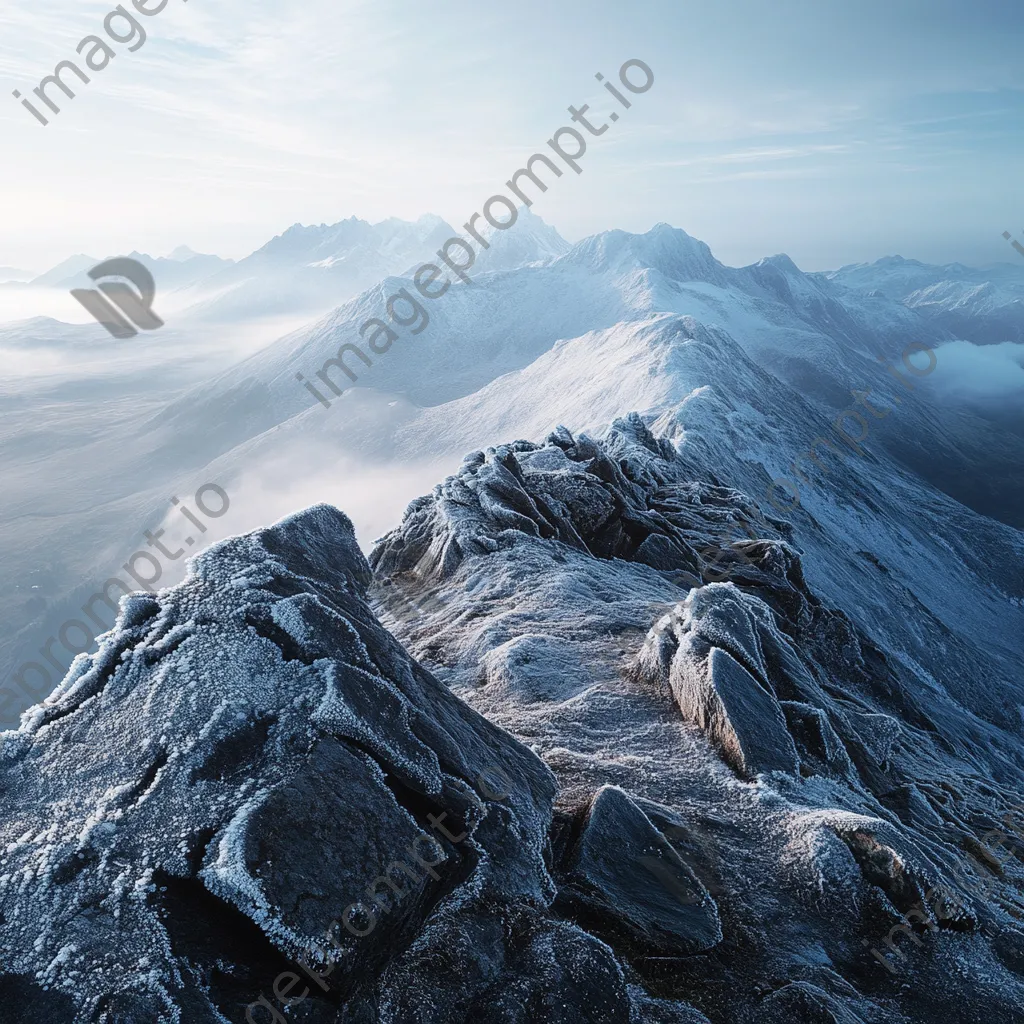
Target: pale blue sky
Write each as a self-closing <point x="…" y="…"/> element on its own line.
<point x="835" y="132"/>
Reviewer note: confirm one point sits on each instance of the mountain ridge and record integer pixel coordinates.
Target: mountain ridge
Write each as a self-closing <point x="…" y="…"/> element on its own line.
<point x="750" y="789"/>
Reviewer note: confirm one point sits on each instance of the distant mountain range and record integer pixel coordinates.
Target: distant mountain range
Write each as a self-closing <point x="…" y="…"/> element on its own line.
<point x="726" y="581"/>
<point x="305" y="269"/>
<point x="314" y="268"/>
<point x="983" y="305"/>
<point x="755" y="362"/>
<point x="14" y="275"/>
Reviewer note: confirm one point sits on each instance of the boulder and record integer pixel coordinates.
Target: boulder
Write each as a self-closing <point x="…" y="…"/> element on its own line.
<point x="624" y="878"/>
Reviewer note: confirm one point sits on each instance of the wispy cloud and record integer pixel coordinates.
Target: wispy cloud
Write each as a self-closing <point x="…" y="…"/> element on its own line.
<point x="238" y="118"/>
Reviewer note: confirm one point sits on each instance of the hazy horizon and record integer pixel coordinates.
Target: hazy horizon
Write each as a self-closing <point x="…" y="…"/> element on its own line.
<point x="239" y="254"/>
<point x="833" y="135"/>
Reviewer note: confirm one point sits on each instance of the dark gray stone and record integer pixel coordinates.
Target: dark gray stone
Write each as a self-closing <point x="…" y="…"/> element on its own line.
<point x="624" y="877"/>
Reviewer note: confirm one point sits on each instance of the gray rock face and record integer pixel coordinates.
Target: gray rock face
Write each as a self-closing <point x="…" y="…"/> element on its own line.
<point x="612" y="771"/>
<point x="252" y="772"/>
<point x="742" y="718"/>
<point x="663" y="908"/>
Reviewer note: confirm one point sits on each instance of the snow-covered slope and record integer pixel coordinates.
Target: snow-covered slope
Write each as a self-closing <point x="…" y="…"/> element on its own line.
<point x="983" y="305"/>
<point x="758" y="360"/>
<point x="624" y="771"/>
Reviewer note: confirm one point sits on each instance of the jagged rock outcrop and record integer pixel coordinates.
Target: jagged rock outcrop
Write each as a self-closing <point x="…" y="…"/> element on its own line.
<point x="252" y="774"/>
<point x="652" y="634"/>
<point x="620" y="766"/>
<point x="623" y="877"/>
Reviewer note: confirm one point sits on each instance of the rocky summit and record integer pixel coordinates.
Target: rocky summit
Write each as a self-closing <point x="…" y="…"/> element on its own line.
<point x="578" y="742"/>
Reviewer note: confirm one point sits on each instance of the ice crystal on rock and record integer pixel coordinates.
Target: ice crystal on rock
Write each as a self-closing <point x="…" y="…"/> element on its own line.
<point x="721" y="799"/>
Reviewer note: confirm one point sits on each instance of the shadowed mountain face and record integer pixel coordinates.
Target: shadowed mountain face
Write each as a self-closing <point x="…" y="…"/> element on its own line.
<point x="610" y="764"/>
<point x="983" y="305"/>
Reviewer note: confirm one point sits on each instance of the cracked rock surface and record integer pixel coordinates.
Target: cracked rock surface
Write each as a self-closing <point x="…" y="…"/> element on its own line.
<point x="244" y="756"/>
<point x="610" y="769"/>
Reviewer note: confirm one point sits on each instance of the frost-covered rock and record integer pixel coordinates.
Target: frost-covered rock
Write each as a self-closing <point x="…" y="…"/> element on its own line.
<point x="251" y="774"/>
<point x="623" y="875"/>
<point x="742" y="718"/>
<point x="827" y="793"/>
<point x="609" y="768"/>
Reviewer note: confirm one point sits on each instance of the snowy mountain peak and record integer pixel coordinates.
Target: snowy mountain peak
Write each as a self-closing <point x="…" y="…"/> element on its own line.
<point x="664" y="248"/>
<point x="381" y="248"/>
<point x="780" y="261"/>
<point x="529" y="240"/>
<point x="184" y="252"/>
<point x="318" y="241"/>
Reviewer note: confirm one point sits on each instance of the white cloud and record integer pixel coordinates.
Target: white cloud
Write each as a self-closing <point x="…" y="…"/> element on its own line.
<point x="980" y="372"/>
<point x="373" y="495"/>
